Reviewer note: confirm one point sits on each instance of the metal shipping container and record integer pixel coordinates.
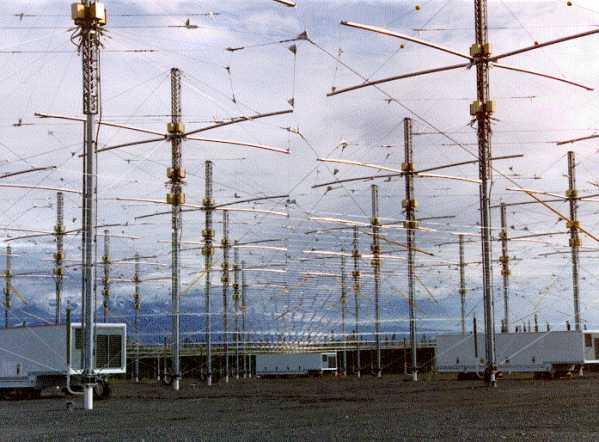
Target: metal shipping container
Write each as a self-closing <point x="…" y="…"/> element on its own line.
<point x="303" y="364"/>
<point x="36" y="357"/>
<point x="548" y="352"/>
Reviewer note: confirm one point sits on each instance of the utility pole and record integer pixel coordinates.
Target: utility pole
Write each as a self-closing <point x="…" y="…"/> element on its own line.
<point x="225" y="281"/>
<point x="207" y="251"/>
<point x="481" y="110"/>
<point x="376" y="267"/>
<point x="176" y="174"/>
<point x="7" y="285"/>
<point x="236" y="300"/>
<point x="137" y="303"/>
<point x="462" y="284"/>
<point x="505" y="269"/>
<point x="59" y="255"/>
<point x="106" y="278"/>
<point x="90" y="19"/>
<point x="343" y="308"/>
<point x="356" y="277"/>
<point x="573" y="226"/>
<point x="410" y="224"/>
<point x="243" y="320"/>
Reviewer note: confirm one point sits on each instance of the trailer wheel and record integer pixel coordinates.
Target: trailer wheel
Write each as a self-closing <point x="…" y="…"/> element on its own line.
<point x="167" y="378"/>
<point x="101" y="390"/>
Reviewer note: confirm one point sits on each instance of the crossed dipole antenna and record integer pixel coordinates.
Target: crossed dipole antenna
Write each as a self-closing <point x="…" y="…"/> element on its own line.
<point x="166" y="135"/>
<point x="481" y="109"/>
<point x="475" y="52"/>
<point x="176" y="133"/>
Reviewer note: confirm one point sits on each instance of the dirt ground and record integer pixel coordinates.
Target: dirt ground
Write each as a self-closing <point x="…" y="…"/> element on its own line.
<point x="318" y="410"/>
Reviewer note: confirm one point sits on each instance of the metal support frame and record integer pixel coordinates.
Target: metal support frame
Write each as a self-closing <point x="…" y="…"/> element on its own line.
<point x="505" y="269"/>
<point x="106" y="278"/>
<point x="176" y="198"/>
<point x="356" y="279"/>
<point x="573" y="226"/>
<point x="225" y="281"/>
<point x="376" y="268"/>
<point x="59" y="231"/>
<point x="207" y="251"/>
<point x="410" y="224"/>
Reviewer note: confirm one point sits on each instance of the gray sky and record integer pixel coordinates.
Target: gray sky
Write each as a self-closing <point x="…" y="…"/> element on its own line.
<point x="532" y="113"/>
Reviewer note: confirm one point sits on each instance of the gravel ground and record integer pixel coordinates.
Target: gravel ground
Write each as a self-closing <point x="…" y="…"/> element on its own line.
<point x="319" y="410"/>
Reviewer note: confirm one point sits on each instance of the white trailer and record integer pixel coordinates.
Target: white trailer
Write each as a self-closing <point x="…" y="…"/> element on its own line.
<point x="34" y="358"/>
<point x="550" y="352"/>
<point x="295" y="364"/>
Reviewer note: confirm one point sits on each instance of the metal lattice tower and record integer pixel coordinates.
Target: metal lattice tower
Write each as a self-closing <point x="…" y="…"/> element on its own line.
<point x="208" y="251"/>
<point x="225" y="281"/>
<point x="176" y="198"/>
<point x="481" y="110"/>
<point x="106" y="278"/>
<point x="343" y="311"/>
<point x="236" y="301"/>
<point x="505" y="269"/>
<point x="59" y="231"/>
<point x="7" y="285"/>
<point x="462" y="290"/>
<point x="376" y="267"/>
<point x="137" y="307"/>
<point x="410" y="224"/>
<point x="90" y="19"/>
<point x="356" y="279"/>
<point x="573" y="226"/>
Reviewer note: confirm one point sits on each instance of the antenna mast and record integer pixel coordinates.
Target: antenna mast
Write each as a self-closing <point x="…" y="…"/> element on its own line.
<point x="225" y="281"/>
<point x="59" y="255"/>
<point x="462" y="284"/>
<point x="137" y="303"/>
<point x="7" y="285"/>
<point x="176" y="198"/>
<point x="90" y="18"/>
<point x="243" y="320"/>
<point x="343" y="308"/>
<point x="409" y="205"/>
<point x="573" y="225"/>
<point x="236" y="300"/>
<point x="207" y="251"/>
<point x="376" y="267"/>
<point x="505" y="269"/>
<point x="106" y="278"/>
<point x="481" y="110"/>
<point x="356" y="277"/>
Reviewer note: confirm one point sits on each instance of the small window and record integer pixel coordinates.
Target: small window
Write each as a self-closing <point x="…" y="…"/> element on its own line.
<point x="588" y="340"/>
<point x="534" y="360"/>
<point x="324" y="358"/>
<point x="332" y="362"/>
